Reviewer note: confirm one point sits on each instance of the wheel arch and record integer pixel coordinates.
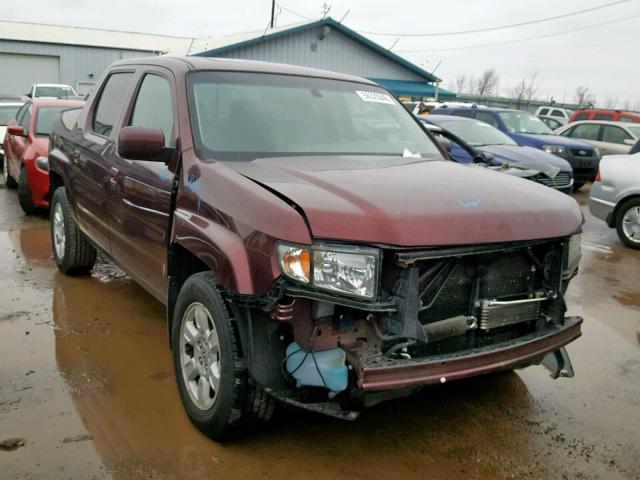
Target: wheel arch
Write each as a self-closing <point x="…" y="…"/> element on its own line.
<point x="622" y="201"/>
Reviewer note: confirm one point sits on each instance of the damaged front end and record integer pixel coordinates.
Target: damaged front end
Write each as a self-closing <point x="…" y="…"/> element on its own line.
<point x="412" y="318"/>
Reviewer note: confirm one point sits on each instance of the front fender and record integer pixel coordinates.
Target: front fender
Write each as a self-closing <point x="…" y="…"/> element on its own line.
<point x="222" y="250"/>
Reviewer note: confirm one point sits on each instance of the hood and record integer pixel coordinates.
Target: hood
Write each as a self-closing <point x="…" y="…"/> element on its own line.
<point x="539" y="140"/>
<point x="528" y="157"/>
<point x="411" y="202"/>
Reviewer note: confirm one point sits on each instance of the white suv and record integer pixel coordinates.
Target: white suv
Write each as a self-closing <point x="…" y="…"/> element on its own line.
<point x="561" y="114"/>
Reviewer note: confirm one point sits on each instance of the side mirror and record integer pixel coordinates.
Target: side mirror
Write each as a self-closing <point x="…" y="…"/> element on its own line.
<point x="17" y="130"/>
<point x="630" y="141"/>
<point x="141" y="143"/>
<point x="445" y="143"/>
<point x="484" y="157"/>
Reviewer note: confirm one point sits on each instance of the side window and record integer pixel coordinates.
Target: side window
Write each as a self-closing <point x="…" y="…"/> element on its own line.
<point x="543" y="112"/>
<point x="603" y="116"/>
<point x="613" y="134"/>
<point x="557" y="113"/>
<point x="581" y="116"/>
<point x="26" y="119"/>
<point x="586" y="131"/>
<point x="487" y="118"/>
<point x="111" y="103"/>
<point x="154" y="108"/>
<point x="462" y="113"/>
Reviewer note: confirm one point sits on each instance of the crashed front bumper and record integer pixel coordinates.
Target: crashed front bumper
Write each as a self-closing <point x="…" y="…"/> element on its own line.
<point x="527" y="350"/>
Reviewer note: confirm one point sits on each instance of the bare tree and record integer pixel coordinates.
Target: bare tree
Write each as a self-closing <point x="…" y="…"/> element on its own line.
<point x="584" y="97"/>
<point x="518" y="92"/>
<point x="626" y="105"/>
<point x="610" y="102"/>
<point x="531" y="90"/>
<point x="461" y="83"/>
<point x="487" y="83"/>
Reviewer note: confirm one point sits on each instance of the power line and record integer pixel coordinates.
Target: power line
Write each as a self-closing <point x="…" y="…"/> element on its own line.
<point x="501" y="27"/>
<point x="565" y="32"/>
<point x="293" y="12"/>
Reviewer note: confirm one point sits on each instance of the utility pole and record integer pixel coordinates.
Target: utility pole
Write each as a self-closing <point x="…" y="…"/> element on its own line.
<point x="273" y="12"/>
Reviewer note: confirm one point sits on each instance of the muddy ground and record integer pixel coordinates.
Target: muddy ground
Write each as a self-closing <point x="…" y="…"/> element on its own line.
<point x="86" y="380"/>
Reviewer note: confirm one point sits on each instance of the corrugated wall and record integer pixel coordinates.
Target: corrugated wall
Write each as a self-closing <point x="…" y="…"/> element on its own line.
<point x="335" y="52"/>
<point x="76" y="62"/>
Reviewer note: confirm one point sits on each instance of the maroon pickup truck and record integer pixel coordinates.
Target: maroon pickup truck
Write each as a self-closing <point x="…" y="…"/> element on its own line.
<point x="308" y="238"/>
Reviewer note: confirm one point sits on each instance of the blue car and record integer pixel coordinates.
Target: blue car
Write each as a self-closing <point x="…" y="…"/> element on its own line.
<point x="528" y="130"/>
<point x="473" y="139"/>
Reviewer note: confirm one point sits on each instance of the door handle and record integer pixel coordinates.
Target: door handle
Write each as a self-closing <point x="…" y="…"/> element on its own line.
<point x="113" y="177"/>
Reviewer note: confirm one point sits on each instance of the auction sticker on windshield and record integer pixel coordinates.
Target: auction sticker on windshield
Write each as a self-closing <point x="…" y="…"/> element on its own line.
<point x="375" y="97"/>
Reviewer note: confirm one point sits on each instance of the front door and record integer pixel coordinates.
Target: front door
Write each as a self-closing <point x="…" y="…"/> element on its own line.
<point x="93" y="158"/>
<point x="141" y="198"/>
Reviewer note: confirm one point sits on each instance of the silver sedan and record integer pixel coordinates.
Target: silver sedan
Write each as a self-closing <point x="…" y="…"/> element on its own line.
<point x="615" y="196"/>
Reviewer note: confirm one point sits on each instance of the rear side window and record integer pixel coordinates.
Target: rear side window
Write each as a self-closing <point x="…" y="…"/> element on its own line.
<point x="614" y="134"/>
<point x="586" y="131"/>
<point x="154" y="107"/>
<point x="603" y="116"/>
<point x="462" y="113"/>
<point x="544" y="111"/>
<point x="111" y="103"/>
<point x="487" y="118"/>
<point x="581" y="116"/>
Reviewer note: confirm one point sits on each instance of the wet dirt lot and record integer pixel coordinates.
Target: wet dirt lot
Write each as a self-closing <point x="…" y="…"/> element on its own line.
<point x="86" y="380"/>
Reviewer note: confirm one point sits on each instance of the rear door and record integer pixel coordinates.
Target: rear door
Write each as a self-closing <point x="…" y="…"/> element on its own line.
<point x="92" y="158"/>
<point x="141" y="197"/>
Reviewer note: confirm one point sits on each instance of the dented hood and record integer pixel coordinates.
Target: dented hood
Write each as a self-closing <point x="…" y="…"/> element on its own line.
<point x="413" y="202"/>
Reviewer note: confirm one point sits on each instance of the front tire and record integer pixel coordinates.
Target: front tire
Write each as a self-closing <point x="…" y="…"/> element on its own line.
<point x="24" y="193"/>
<point x="628" y="223"/>
<point x="215" y="387"/>
<point x="72" y="251"/>
<point x="9" y="182"/>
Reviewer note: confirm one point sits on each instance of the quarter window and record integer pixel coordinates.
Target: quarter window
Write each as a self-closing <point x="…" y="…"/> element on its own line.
<point x="613" y="134"/>
<point x="154" y="107"/>
<point x="111" y="103"/>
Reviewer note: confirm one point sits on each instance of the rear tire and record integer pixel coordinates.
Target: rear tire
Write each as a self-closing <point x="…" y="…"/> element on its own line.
<point x="72" y="251"/>
<point x="628" y="223"/>
<point x="9" y="182"/>
<point x="24" y="193"/>
<point x="230" y="403"/>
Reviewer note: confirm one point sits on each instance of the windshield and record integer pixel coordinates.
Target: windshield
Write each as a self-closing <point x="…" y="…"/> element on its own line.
<point x="524" y="122"/>
<point x="243" y="116"/>
<point x="8" y="113"/>
<point x="476" y="133"/>
<point x="55" y="92"/>
<point x="45" y="119"/>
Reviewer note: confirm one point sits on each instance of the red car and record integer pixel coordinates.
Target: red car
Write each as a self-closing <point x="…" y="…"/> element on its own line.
<point x="26" y="146"/>
<point x="604" y="114"/>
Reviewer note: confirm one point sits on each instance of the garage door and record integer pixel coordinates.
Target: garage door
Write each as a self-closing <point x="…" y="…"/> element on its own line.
<point x="20" y="71"/>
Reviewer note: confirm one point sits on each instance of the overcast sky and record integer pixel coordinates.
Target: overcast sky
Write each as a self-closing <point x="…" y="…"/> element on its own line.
<point x="606" y="59"/>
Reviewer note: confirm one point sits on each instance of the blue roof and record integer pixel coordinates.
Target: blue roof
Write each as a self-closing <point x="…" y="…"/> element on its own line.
<point x="412" y="88"/>
<point x="330" y="22"/>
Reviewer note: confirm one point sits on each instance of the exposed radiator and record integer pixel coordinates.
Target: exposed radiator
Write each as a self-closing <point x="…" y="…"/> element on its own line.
<point x="494" y="314"/>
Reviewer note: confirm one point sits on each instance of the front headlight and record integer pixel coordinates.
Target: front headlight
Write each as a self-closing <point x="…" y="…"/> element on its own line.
<point x="555" y="149"/>
<point x="349" y="270"/>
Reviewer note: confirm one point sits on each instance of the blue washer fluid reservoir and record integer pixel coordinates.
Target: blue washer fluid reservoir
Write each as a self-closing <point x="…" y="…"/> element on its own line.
<point x="331" y="365"/>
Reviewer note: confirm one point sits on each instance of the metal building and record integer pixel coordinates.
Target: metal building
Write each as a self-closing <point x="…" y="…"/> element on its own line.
<point x="329" y="45"/>
<point x="36" y="53"/>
